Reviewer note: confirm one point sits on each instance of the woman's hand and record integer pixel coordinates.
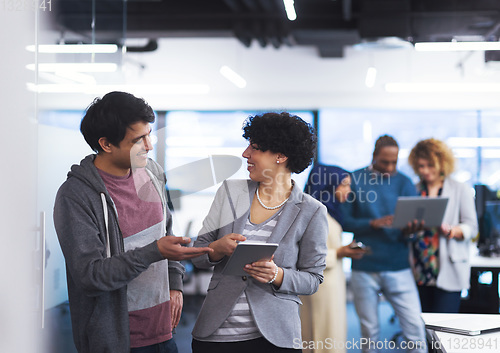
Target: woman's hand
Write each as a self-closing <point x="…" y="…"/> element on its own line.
<point x="451" y="232"/>
<point x="349" y="251"/>
<point x="265" y="272"/>
<point x="224" y="246"/>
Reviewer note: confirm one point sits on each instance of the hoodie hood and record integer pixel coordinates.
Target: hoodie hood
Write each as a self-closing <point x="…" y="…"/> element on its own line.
<point x="86" y="171"/>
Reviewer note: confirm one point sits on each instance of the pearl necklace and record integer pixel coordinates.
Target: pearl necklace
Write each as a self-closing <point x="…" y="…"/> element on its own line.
<point x="267" y="207"/>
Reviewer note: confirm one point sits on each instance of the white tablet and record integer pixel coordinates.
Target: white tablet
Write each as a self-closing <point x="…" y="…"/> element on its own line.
<point x="428" y="209"/>
<point x="246" y="253"/>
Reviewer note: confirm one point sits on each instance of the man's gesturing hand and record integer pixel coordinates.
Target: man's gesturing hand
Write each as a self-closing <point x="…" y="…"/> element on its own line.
<point x="171" y="248"/>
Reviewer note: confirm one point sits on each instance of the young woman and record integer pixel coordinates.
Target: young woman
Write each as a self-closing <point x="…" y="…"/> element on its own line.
<point x="260" y="312"/>
<point x="440" y="256"/>
<point x="323" y="314"/>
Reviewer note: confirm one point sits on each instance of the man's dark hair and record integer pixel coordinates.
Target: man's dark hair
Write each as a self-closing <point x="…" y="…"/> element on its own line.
<point x="384" y="141"/>
<point x="111" y="115"/>
<point x="283" y="133"/>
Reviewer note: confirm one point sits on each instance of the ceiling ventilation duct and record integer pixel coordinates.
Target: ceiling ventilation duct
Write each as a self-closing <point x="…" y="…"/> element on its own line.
<point x="328" y="24"/>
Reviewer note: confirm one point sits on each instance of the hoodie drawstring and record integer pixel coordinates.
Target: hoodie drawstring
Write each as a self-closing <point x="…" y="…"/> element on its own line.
<point x="105" y="208"/>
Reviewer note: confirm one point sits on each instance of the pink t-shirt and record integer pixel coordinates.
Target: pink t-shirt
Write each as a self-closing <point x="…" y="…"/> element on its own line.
<point x="140" y="216"/>
<point x="136" y="200"/>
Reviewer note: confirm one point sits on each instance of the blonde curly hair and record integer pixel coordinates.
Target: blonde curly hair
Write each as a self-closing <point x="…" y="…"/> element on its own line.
<point x="436" y="152"/>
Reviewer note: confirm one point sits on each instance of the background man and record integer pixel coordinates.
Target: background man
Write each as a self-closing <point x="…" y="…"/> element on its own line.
<point x="386" y="269"/>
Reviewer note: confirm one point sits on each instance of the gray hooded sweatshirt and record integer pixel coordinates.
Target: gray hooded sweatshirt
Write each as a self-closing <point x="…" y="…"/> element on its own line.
<point x="97" y="284"/>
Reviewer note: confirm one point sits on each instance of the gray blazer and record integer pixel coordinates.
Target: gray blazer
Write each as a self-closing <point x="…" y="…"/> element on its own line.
<point x="301" y="232"/>
<point x="454" y="263"/>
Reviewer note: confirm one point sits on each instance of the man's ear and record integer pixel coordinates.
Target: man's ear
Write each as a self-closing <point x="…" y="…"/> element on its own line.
<point x="105" y="144"/>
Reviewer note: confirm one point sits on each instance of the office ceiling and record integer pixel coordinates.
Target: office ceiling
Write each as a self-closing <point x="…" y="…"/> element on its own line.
<point x="319" y="60"/>
<point x="329" y="25"/>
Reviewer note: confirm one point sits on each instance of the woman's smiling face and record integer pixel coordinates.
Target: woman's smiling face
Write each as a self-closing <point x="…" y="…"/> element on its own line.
<point x="261" y="165"/>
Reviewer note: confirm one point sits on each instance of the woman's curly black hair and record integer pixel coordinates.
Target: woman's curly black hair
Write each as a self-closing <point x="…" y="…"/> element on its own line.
<point x="283" y="133"/>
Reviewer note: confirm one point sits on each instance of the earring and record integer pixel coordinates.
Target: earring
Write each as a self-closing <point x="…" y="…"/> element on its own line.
<point x="278" y="161"/>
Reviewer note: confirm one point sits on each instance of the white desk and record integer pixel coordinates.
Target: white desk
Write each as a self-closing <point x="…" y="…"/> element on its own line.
<point x="444" y="342"/>
<point x="482" y="261"/>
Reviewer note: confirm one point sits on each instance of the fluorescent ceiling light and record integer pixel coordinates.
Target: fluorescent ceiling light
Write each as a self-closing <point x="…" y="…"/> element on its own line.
<point x="443" y="87"/>
<point x="74" y="48"/>
<point x="187" y="89"/>
<point x="457" y="46"/>
<point x="232" y="76"/>
<point x="290" y="10"/>
<point x="490" y="153"/>
<point x="371" y="75"/>
<point x="75" y="67"/>
<point x="464" y="152"/>
<point x="473" y="142"/>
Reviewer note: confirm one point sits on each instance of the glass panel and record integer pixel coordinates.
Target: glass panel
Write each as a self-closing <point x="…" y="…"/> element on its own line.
<point x="60" y="145"/>
<point x="62" y="78"/>
<point x="191" y="138"/>
<point x="20" y="254"/>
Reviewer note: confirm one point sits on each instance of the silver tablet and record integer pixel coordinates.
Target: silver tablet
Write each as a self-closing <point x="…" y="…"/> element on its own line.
<point x="246" y="253"/>
<point x="428" y="209"/>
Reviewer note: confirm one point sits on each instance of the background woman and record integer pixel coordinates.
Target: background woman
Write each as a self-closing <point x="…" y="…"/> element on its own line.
<point x="323" y="314"/>
<point x="440" y="256"/>
<point x="260" y="312"/>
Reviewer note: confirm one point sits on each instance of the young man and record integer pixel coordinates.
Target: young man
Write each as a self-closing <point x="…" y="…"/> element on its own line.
<point x="386" y="269"/>
<point x="113" y="225"/>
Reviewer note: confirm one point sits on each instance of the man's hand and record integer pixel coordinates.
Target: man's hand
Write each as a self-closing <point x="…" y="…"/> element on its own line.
<point x="176" y="303"/>
<point x="171" y="248"/>
<point x="381" y="222"/>
<point x="413" y="227"/>
<point x="225" y="246"/>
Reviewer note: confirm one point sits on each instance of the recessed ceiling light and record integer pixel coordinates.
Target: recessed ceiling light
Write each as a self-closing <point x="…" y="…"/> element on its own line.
<point x="457" y="46"/>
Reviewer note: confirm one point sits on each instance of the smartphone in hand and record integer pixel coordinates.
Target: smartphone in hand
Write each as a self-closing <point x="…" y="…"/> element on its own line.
<point x="358" y="245"/>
